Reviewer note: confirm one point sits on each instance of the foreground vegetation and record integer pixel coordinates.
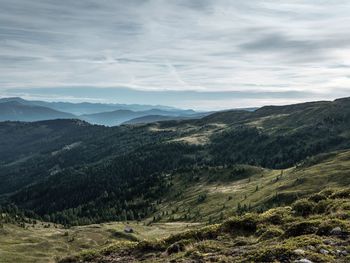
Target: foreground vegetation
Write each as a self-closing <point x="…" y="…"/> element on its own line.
<point x="314" y="229"/>
<point x="209" y="196"/>
<point x="46" y="242"/>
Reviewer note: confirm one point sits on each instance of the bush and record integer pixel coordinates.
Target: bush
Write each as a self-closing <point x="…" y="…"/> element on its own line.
<point x="327" y="192"/>
<point x="341" y="194"/>
<point x="326" y="227"/>
<point x="317" y="197"/>
<point x="322" y="206"/>
<point x="201" y="198"/>
<point x="276" y="216"/>
<point x="247" y="223"/>
<point x="302" y="228"/>
<point x="148" y="246"/>
<point x="178" y="246"/>
<point x="270" y="232"/>
<point x="303" y="207"/>
<point x="273" y="254"/>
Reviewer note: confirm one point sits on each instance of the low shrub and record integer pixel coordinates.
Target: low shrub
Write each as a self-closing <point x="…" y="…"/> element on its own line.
<point x="270" y="232"/>
<point x="244" y="224"/>
<point x="341" y="194"/>
<point x="317" y="197"/>
<point x="178" y="246"/>
<point x="302" y="228"/>
<point x="150" y="246"/>
<point x="276" y="216"/>
<point x="273" y="254"/>
<point x="322" y="206"/>
<point x="327" y="192"/>
<point x="326" y="226"/>
<point x="303" y="207"/>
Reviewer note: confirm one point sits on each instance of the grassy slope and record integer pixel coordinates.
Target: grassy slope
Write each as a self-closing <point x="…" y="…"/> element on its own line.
<point x="41" y="244"/>
<point x="275" y="187"/>
<point x="285" y="234"/>
<point x="223" y="193"/>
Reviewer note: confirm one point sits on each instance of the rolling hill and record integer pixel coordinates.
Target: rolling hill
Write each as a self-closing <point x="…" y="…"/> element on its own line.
<point x="81" y="108"/>
<point x="16" y="111"/>
<point x="157" y="118"/>
<point x="117" y="164"/>
<point x="314" y="229"/>
<point x="195" y="170"/>
<point x="230" y="197"/>
<point x="118" y="117"/>
<point x="151" y="118"/>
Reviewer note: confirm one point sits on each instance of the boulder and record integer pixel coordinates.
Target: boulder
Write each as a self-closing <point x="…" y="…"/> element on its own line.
<point x="303" y="260"/>
<point x="299" y="252"/>
<point x="336" y="231"/>
<point x="324" y="251"/>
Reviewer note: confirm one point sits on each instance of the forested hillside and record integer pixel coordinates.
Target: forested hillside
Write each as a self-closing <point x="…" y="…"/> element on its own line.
<point x="124" y="172"/>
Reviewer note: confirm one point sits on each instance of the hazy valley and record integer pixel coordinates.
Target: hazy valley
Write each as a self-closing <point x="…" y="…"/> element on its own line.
<point x="18" y="109"/>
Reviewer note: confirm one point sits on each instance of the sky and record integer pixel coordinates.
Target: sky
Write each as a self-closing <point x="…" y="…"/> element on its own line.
<point x="200" y="54"/>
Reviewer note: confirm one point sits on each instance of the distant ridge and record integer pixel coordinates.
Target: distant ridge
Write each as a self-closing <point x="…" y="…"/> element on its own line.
<point x="113" y="118"/>
<point x="89" y="107"/>
<point x="16" y="111"/>
<point x="152" y="118"/>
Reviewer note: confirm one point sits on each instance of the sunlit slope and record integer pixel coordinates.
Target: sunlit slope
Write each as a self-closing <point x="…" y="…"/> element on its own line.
<point x="214" y="193"/>
<point x="313" y="229"/>
<point x="44" y="242"/>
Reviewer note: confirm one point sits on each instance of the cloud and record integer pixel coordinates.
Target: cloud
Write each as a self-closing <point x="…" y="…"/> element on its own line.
<point x="182" y="45"/>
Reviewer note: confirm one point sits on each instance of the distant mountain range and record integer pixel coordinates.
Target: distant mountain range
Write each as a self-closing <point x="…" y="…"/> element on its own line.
<point x="87" y="107"/>
<point x="18" y="109"/>
<point x="151" y="118"/>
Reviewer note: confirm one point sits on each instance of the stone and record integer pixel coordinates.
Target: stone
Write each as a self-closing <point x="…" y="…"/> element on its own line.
<point x="310" y="247"/>
<point x="336" y="231"/>
<point x="299" y="252"/>
<point x="324" y="251"/>
<point x="329" y="242"/>
<point x="303" y="260"/>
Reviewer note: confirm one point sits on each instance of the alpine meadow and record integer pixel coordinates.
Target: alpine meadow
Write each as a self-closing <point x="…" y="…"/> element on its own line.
<point x="174" y="131"/>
